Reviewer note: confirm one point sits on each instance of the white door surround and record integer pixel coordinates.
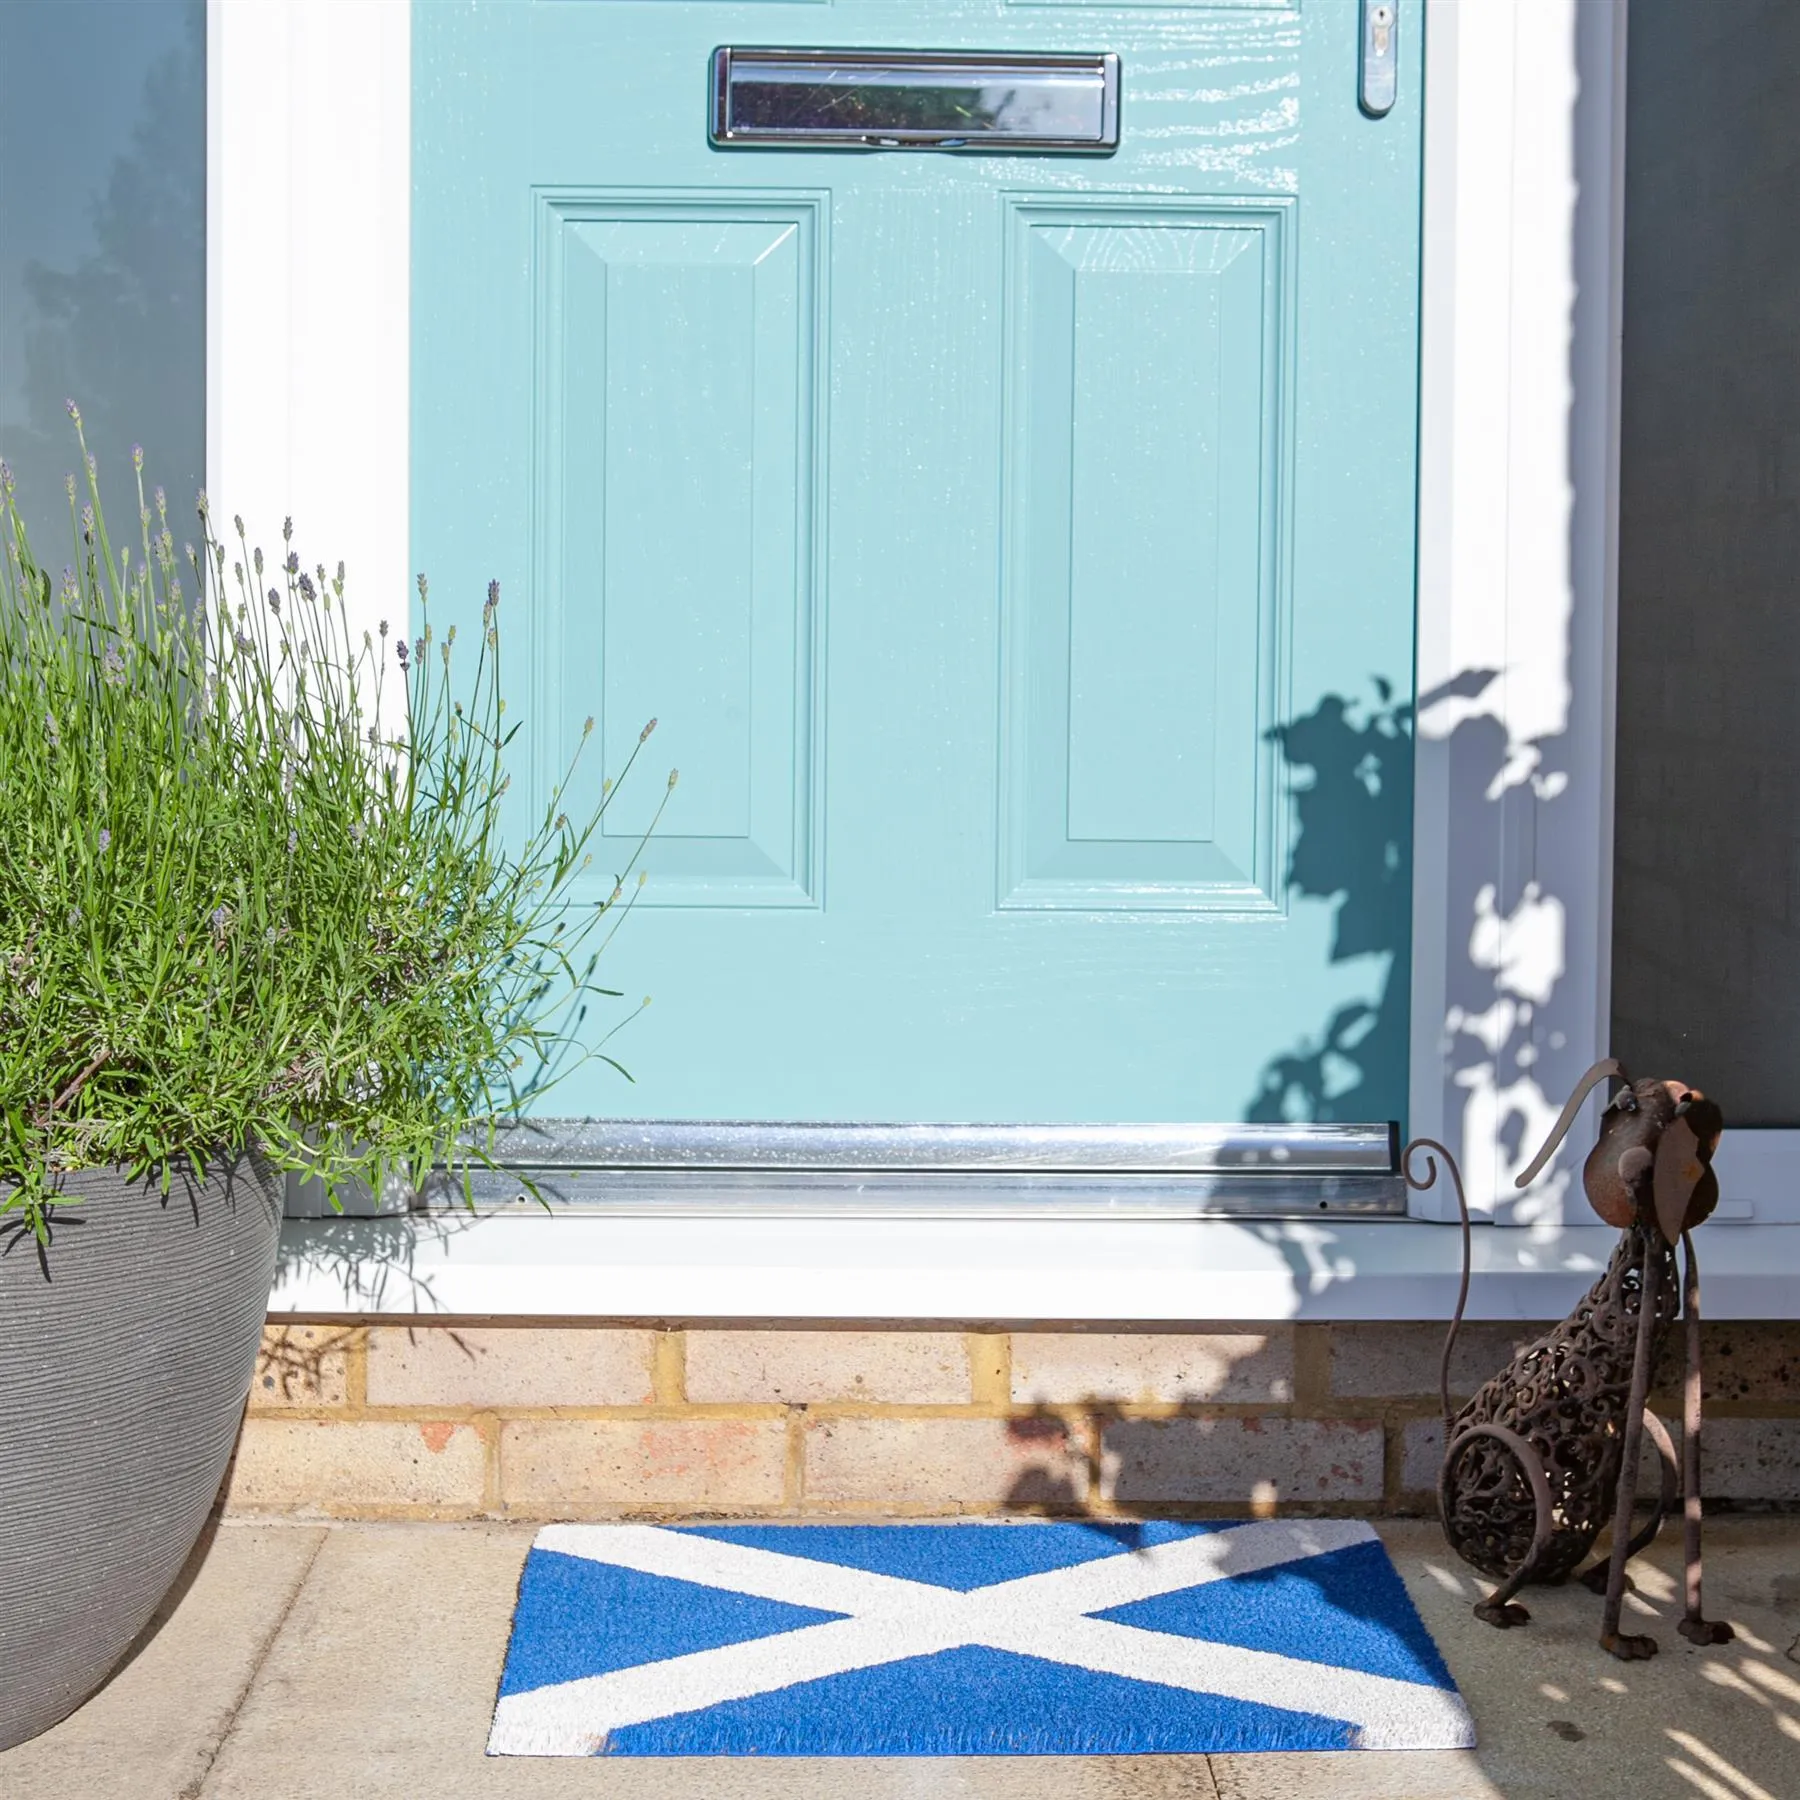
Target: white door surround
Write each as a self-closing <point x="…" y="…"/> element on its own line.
<point x="308" y="309"/>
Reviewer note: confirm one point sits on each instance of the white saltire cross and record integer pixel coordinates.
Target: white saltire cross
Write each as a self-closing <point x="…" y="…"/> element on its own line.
<point x="1042" y="1615"/>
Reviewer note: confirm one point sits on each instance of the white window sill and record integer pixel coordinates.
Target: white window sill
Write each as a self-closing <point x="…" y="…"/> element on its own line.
<point x="1144" y="1270"/>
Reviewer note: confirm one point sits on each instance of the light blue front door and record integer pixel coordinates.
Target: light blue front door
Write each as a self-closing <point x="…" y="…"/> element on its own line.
<point x="1002" y="541"/>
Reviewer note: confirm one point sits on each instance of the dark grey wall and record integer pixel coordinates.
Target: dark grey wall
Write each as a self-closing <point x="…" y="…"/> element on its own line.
<point x="1706" y="957"/>
<point x="102" y="254"/>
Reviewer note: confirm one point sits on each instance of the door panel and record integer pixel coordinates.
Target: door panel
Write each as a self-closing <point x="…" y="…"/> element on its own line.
<point x="1144" y="556"/>
<point x="681" y="340"/>
<point x="982" y="529"/>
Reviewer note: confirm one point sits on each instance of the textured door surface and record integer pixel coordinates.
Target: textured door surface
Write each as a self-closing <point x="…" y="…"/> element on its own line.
<point x="1017" y="550"/>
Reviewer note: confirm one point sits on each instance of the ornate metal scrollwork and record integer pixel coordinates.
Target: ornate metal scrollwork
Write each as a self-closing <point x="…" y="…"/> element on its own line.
<point x="1567" y="1396"/>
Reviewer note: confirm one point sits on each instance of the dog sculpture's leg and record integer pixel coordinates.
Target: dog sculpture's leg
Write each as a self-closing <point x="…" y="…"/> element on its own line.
<point x="1595" y="1577"/>
<point x="1499" y="1608"/>
<point x="1696" y="1628"/>
<point x="1629" y="1646"/>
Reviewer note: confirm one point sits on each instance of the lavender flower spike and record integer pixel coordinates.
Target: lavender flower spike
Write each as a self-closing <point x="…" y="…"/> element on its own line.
<point x="104" y="841"/>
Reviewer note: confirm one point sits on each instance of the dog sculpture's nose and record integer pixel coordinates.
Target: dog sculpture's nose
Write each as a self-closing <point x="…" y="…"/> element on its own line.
<point x="1705" y="1120"/>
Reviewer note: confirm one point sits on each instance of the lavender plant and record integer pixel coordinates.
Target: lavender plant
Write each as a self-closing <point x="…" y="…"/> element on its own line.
<point x="237" y="905"/>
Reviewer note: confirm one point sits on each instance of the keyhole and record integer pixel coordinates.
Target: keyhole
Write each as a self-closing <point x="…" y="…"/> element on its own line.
<point x="1381" y="28"/>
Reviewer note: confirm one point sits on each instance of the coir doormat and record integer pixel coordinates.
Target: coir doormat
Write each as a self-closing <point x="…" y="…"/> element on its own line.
<point x="968" y="1639"/>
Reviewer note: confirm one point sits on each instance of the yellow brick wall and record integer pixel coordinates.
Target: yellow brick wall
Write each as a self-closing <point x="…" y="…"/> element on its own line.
<point x="565" y="1420"/>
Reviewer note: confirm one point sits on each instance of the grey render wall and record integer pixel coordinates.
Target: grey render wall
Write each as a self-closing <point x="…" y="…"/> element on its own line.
<point x="1706" y="958"/>
<point x="103" y="255"/>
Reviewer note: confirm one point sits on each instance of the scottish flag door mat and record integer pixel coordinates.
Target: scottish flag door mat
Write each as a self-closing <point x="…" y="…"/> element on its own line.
<point x="968" y="1639"/>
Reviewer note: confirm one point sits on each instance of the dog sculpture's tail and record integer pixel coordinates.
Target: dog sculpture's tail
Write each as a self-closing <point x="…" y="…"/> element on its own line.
<point x="1430" y="1149"/>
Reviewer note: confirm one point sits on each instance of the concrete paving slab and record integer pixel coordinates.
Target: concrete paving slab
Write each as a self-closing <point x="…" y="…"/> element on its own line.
<point x="1556" y="1717"/>
<point x="359" y="1662"/>
<point x="381" y="1685"/>
<point x="1355" y="1775"/>
<point x="152" y="1732"/>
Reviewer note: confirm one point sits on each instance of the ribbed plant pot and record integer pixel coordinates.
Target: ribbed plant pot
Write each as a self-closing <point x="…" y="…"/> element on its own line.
<point x="126" y="1353"/>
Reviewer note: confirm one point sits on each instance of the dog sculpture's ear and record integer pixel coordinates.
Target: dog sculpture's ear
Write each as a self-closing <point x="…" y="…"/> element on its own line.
<point x="1684" y="1188"/>
<point x="1678" y="1172"/>
<point x="1603" y="1070"/>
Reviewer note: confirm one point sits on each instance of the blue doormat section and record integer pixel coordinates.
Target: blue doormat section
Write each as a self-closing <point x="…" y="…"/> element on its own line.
<point x="968" y="1639"/>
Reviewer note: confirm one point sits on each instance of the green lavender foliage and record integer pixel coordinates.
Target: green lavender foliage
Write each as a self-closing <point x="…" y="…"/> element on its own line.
<point x="236" y="904"/>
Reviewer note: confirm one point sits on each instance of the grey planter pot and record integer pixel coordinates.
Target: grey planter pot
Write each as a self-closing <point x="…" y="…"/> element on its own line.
<point x="123" y="1376"/>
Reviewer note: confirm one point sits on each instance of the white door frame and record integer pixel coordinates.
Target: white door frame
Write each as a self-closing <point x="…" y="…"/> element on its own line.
<point x="1518" y="508"/>
<point x="309" y="182"/>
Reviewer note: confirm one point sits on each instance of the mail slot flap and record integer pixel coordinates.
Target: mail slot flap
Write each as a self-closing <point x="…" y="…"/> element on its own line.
<point x="915" y="100"/>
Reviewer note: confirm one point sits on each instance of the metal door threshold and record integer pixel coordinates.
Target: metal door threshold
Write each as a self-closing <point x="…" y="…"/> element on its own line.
<point x="723" y="1167"/>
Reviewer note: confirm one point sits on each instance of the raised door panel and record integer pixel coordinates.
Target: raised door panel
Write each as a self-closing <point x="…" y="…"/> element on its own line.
<point x="678" y="343"/>
<point x="1143" y="562"/>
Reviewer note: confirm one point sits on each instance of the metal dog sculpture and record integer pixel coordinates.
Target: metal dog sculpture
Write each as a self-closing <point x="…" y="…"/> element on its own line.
<point x="1547" y="1452"/>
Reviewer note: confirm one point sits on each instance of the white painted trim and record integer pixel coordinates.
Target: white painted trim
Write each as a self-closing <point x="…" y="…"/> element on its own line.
<point x="309" y="149"/>
<point x="1759" y="1177"/>
<point x="978" y="1271"/>
<point x="1523" y="252"/>
<point x="308" y="353"/>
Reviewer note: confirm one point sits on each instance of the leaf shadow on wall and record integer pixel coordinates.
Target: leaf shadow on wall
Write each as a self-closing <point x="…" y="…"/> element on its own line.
<point x="1350" y="766"/>
<point x="1349" y="769"/>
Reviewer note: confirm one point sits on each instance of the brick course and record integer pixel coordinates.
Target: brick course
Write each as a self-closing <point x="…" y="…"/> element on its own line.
<point x="497" y="1419"/>
<point x="1158" y="1462"/>
<point x="1374" y="1361"/>
<point x="1153" y="1368"/>
<point x="944" y="1464"/>
<point x="509" y="1366"/>
<point x="303" y="1365"/>
<point x="804" y="1367"/>
<point x="589" y="1468"/>
<point x="359" y="1468"/>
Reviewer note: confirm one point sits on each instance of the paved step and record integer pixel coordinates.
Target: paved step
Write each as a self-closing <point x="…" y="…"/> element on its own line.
<point x="358" y="1662"/>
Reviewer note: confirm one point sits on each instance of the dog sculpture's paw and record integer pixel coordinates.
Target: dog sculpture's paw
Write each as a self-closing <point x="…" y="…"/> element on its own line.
<point x="1505" y="1616"/>
<point x="1628" y="1647"/>
<point x="1706" y="1631"/>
